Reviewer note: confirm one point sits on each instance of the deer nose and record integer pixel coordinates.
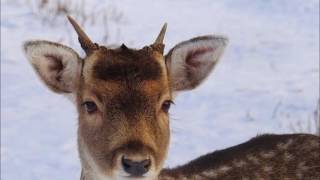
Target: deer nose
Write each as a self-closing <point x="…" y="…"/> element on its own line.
<point x="136" y="168"/>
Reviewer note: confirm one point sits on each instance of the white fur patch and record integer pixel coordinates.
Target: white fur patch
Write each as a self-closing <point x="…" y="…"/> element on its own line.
<point x="224" y="169"/>
<point x="302" y="166"/>
<point x="267" y="169"/>
<point x="267" y="155"/>
<point x="253" y="159"/>
<point x="284" y="146"/>
<point x="210" y="173"/>
<point x="314" y="144"/>
<point x="288" y="157"/>
<point x="239" y="164"/>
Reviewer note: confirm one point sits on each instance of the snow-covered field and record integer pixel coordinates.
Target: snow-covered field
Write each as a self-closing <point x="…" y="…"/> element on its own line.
<point x="267" y="81"/>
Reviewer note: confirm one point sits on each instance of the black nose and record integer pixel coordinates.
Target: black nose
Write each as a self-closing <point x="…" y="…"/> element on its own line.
<point x="136" y="168"/>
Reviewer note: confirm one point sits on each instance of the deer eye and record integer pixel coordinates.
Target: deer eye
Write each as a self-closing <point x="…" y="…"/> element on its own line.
<point x="90" y="106"/>
<point x="166" y="105"/>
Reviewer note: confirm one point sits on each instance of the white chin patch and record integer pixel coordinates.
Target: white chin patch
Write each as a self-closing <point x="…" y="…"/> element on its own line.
<point x="122" y="175"/>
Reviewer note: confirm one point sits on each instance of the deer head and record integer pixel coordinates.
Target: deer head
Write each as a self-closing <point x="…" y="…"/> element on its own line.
<point x="123" y="96"/>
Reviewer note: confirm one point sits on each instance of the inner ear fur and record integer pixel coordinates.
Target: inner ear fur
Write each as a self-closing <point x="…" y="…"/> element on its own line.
<point x="191" y="61"/>
<point x="58" y="66"/>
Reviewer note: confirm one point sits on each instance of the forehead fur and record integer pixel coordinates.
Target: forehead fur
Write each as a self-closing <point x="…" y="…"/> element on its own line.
<point x="126" y="72"/>
<point x="124" y="64"/>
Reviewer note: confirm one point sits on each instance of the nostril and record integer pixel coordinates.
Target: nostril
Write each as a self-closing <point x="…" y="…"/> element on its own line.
<point x="146" y="164"/>
<point x="126" y="163"/>
<point x="136" y="168"/>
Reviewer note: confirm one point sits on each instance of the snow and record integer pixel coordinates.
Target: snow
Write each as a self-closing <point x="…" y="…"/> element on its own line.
<point x="267" y="81"/>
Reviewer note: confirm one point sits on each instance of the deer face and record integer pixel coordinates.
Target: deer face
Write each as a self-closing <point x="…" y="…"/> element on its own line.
<point x="123" y="96"/>
<point x="123" y="102"/>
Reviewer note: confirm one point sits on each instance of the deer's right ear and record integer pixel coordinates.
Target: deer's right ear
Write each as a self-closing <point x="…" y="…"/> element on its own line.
<point x="58" y="66"/>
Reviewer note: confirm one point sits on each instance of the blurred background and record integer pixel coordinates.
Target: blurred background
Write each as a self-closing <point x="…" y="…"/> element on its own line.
<point x="266" y="82"/>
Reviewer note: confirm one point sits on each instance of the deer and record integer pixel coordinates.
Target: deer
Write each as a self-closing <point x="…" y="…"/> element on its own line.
<point x="123" y="96"/>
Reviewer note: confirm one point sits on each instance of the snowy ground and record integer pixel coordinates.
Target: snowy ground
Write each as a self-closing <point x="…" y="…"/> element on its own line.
<point x="267" y="82"/>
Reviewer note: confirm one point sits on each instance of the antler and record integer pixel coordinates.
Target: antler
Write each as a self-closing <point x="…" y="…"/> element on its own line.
<point x="87" y="45"/>
<point x="158" y="44"/>
<point x="160" y="37"/>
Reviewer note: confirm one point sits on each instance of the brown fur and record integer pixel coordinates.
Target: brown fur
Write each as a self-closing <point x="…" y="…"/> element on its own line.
<point x="128" y="86"/>
<point x="264" y="157"/>
<point x="126" y="64"/>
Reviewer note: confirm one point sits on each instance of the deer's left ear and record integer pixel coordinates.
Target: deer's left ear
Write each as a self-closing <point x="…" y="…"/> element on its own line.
<point x="190" y="62"/>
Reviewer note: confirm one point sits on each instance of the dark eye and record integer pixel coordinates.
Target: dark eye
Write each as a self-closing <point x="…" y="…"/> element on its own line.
<point x="166" y="105"/>
<point x="90" y="106"/>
